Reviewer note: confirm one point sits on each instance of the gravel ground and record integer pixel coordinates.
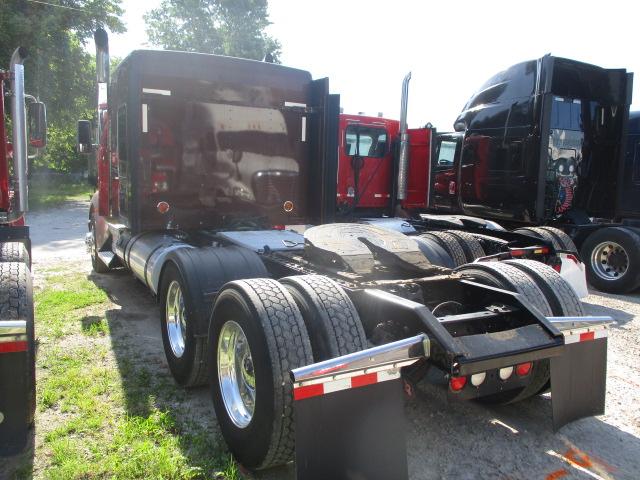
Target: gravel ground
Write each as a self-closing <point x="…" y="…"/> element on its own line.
<point x="444" y="440"/>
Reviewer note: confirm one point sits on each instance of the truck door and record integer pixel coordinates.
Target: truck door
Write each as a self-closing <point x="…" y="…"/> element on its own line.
<point x="444" y="167"/>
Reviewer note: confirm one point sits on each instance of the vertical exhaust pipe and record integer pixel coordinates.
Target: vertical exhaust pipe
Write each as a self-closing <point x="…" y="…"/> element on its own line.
<point x="403" y="163"/>
<point x="19" y="118"/>
<point x="101" y="39"/>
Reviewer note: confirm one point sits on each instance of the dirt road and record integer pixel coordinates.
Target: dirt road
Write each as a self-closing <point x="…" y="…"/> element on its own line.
<point x="445" y="440"/>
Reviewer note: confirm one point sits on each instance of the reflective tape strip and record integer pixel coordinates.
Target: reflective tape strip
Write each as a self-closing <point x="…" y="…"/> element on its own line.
<point x="13" y="347"/>
<point x="584" y="335"/>
<point x="300" y="392"/>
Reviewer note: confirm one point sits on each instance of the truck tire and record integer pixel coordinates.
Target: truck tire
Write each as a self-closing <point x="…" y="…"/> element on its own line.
<point x="559" y="239"/>
<point x="563" y="238"/>
<point x="509" y="277"/>
<point x="434" y="252"/>
<point x="98" y="265"/>
<point x="259" y="321"/>
<point x="331" y="319"/>
<point x="185" y="352"/>
<point x="470" y="244"/>
<point x="450" y="244"/>
<point x="612" y="258"/>
<point x="16" y="303"/>
<point x="14" y="252"/>
<point x="561" y="297"/>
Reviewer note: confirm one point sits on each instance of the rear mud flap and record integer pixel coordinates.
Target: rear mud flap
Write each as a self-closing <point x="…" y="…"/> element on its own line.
<point x="352" y="434"/>
<point x="578" y="381"/>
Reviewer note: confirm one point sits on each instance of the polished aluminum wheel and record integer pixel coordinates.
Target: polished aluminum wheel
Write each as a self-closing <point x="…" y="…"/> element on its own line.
<point x="609" y="261"/>
<point x="176" y="319"/>
<point x="236" y="374"/>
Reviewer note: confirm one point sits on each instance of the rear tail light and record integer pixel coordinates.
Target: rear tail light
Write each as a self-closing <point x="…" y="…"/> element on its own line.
<point x="517" y="252"/>
<point x="457" y="383"/>
<point x="162" y="207"/>
<point x="278" y="227"/>
<point x="557" y="267"/>
<point x="478" y="378"/>
<point x="524" y="369"/>
<point x="505" y="373"/>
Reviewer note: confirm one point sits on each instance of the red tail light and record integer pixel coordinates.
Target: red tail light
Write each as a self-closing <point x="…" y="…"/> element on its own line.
<point x="457" y="383"/>
<point x="557" y="267"/>
<point x="574" y="258"/>
<point x="163" y="207"/>
<point x="524" y="369"/>
<point x="279" y="227"/>
<point x="517" y="253"/>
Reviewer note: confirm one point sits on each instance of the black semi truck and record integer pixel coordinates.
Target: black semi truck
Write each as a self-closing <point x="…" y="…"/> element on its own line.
<point x="217" y="189"/>
<point x="550" y="142"/>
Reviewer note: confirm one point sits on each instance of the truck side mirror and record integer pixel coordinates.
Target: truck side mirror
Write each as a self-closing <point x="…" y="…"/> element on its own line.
<point x="37" y="118"/>
<point x="85" y="144"/>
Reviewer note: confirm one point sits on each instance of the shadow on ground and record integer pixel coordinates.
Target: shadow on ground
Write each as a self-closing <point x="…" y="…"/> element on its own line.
<point x="148" y="385"/>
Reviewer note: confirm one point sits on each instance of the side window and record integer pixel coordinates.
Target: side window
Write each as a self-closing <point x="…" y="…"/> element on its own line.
<point x="446" y="153"/>
<point x="366" y="141"/>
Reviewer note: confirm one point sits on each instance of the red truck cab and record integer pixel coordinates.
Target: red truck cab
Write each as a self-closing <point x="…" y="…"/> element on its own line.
<point x="366" y="168"/>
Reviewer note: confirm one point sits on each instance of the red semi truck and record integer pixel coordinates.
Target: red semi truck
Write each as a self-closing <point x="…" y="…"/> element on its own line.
<point x="217" y="189"/>
<point x="17" y="336"/>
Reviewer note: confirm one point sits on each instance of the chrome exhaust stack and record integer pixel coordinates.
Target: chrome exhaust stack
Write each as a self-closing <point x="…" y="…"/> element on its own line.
<point x="403" y="163"/>
<point x="19" y="118"/>
<point x="101" y="39"/>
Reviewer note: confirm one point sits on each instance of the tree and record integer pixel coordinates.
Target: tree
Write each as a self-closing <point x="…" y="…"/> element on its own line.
<point x="58" y="69"/>
<point x="225" y="27"/>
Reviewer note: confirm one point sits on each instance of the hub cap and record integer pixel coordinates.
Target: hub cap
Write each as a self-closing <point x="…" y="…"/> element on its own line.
<point x="609" y="261"/>
<point x="236" y="374"/>
<point x="176" y="319"/>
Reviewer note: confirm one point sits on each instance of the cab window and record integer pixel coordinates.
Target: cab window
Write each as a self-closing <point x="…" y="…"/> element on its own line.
<point x="366" y="141"/>
<point x="446" y="153"/>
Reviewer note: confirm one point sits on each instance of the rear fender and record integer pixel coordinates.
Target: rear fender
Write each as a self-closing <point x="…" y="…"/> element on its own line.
<point x="206" y="269"/>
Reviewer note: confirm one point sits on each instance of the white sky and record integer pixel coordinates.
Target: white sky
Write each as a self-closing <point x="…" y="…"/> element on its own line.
<point x="366" y="47"/>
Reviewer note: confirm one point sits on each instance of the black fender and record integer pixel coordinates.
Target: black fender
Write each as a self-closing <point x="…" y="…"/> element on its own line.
<point x="206" y="269"/>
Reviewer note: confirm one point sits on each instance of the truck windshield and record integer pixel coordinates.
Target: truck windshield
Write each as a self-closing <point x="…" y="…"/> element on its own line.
<point x="372" y="141"/>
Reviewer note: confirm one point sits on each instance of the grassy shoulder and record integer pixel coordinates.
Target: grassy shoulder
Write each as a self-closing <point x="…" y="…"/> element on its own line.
<point x="47" y="192"/>
<point x="103" y="414"/>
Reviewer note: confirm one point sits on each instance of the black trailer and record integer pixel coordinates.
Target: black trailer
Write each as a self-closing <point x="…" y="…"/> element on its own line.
<point x="218" y="170"/>
<point x="544" y="144"/>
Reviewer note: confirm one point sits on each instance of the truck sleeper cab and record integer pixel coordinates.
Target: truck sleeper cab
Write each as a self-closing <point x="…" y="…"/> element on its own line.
<point x="249" y="290"/>
<point x="543" y="143"/>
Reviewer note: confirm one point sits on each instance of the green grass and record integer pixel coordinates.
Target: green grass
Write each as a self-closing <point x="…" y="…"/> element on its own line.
<point x="102" y="411"/>
<point x="52" y="192"/>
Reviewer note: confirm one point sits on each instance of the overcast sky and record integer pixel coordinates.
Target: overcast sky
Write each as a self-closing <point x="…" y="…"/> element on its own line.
<point x="366" y="47"/>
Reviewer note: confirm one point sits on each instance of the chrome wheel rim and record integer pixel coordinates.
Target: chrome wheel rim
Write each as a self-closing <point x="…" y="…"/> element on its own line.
<point x="236" y="374"/>
<point x="609" y="261"/>
<point x="176" y="318"/>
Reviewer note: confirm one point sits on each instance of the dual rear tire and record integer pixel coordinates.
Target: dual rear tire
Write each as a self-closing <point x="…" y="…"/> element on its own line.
<point x="261" y="329"/>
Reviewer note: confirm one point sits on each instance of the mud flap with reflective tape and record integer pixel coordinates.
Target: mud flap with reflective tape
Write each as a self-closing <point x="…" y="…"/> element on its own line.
<point x="349" y="414"/>
<point x="357" y="433"/>
<point x="579" y="376"/>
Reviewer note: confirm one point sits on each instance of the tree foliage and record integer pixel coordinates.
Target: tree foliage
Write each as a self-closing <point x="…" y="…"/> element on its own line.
<point x="58" y="69"/>
<point x="224" y="27"/>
